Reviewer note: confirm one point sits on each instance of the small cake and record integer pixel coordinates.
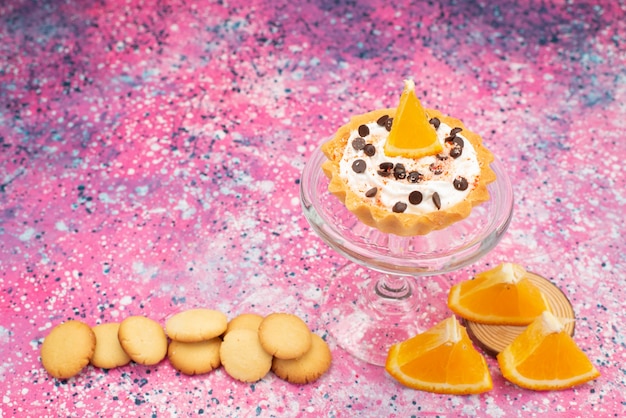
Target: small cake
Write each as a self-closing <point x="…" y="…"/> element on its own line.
<point x="409" y="170"/>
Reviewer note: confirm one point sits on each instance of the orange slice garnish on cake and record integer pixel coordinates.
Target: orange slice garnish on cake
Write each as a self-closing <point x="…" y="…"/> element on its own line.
<point x="545" y="357"/>
<point x="440" y="360"/>
<point x="503" y="295"/>
<point x="412" y="135"/>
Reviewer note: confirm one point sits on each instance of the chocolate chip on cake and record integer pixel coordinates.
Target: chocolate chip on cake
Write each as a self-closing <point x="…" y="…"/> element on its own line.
<point x="455" y="131"/>
<point x="456" y="152"/>
<point x="359" y="166"/>
<point x="435" y="122"/>
<point x="371" y="192"/>
<point x="388" y="124"/>
<point x="457" y="147"/>
<point x="399" y="172"/>
<point x="385" y="169"/>
<point x="415" y="176"/>
<point x="382" y="120"/>
<point x="358" y="143"/>
<point x="437" y="200"/>
<point x="460" y="183"/>
<point x="364" y="130"/>
<point x="399" y="207"/>
<point x="415" y="197"/>
<point x="369" y="149"/>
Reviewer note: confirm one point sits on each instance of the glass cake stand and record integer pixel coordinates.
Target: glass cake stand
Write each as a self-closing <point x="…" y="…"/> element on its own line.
<point x="373" y="302"/>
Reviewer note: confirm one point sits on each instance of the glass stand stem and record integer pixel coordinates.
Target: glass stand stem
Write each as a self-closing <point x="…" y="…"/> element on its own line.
<point x="393" y="287"/>
<point x="366" y="319"/>
<point x="391" y="295"/>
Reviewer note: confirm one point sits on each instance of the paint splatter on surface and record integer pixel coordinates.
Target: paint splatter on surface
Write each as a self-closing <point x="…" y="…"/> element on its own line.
<point x="151" y="157"/>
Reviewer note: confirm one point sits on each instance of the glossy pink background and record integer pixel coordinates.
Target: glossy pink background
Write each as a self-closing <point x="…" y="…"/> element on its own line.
<point x="150" y="163"/>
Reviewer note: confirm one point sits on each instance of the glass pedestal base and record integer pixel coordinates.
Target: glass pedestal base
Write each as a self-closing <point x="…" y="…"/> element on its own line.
<point x="367" y="312"/>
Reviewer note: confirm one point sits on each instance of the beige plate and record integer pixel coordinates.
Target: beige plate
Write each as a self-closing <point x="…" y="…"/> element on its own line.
<point x="494" y="338"/>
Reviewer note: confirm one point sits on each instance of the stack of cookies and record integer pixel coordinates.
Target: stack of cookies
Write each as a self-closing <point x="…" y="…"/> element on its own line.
<point x="280" y="342"/>
<point x="200" y="340"/>
<point x="195" y="340"/>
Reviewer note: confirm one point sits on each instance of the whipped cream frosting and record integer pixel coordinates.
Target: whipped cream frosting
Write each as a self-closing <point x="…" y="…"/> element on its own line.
<point x="395" y="187"/>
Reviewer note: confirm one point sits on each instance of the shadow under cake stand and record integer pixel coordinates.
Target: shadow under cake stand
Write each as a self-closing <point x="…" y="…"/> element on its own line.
<point x="372" y="302"/>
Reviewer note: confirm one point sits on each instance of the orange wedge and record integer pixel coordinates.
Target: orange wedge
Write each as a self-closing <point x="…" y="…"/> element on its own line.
<point x="412" y="135"/>
<point x="441" y="360"/>
<point x="545" y="357"/>
<point x="500" y="296"/>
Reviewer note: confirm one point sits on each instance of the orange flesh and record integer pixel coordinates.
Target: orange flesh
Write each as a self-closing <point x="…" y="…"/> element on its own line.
<point x="557" y="357"/>
<point x="441" y="360"/>
<point x="496" y="297"/>
<point x="544" y="357"/>
<point x="504" y="299"/>
<point x="411" y="136"/>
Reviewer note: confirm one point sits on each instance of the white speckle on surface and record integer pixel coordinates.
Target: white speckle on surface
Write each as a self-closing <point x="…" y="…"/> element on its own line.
<point x="61" y="226"/>
<point x="186" y="210"/>
<point x="27" y="234"/>
<point x="126" y="300"/>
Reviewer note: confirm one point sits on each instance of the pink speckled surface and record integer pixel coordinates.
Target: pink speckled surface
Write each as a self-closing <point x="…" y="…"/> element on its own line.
<point x="150" y="162"/>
